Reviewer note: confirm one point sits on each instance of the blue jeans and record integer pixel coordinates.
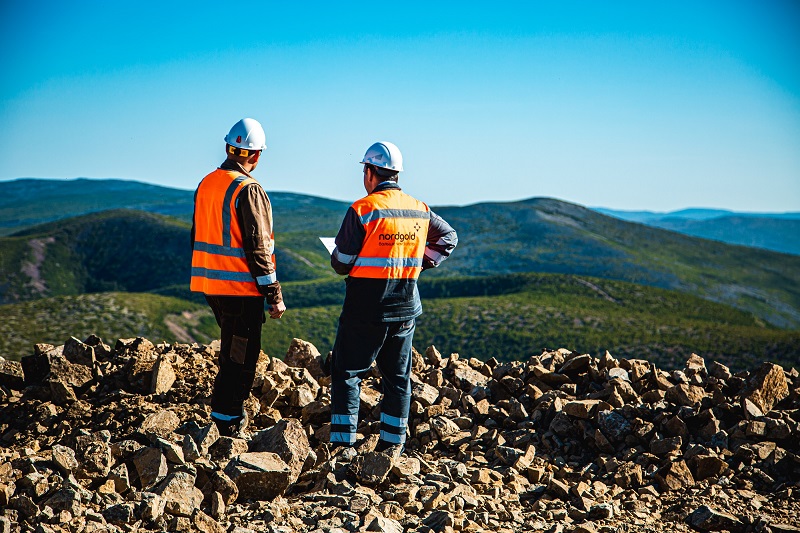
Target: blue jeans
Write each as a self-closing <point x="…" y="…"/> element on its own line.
<point x="359" y="344"/>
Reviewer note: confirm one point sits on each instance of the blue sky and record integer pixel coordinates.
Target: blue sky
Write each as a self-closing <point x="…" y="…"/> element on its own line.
<point x="628" y="105"/>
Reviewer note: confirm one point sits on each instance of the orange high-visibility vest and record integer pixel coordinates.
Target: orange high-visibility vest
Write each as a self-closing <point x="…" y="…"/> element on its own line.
<point x="396" y="227"/>
<point x="219" y="266"/>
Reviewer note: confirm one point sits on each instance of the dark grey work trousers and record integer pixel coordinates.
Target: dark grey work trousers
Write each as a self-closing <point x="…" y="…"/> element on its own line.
<point x="358" y="344"/>
<point x="240" y="319"/>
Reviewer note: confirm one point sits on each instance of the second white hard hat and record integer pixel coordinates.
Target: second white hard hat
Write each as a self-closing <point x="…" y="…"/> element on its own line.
<point x="384" y="155"/>
<point x="247" y="134"/>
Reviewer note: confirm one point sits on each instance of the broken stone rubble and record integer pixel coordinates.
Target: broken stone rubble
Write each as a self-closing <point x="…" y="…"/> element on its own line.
<point x="561" y="442"/>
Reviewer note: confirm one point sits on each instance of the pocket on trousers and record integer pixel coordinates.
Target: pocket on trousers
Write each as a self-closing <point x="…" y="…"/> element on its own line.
<point x="238" y="349"/>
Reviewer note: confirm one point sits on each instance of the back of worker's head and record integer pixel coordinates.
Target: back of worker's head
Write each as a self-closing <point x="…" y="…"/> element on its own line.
<point x="385" y="159"/>
<point x="245" y="139"/>
<point x="384" y="174"/>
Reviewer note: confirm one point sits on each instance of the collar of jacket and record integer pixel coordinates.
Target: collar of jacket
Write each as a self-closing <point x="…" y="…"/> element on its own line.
<point x="233" y="165"/>
<point x="386" y="185"/>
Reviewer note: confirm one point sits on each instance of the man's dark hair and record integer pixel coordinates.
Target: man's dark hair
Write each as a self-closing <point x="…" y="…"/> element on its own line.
<point x="384" y="173"/>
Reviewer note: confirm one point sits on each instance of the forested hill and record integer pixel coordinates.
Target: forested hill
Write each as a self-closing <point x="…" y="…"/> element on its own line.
<point x="120" y="250"/>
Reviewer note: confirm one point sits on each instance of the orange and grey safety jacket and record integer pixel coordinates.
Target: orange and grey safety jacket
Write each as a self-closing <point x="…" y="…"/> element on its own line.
<point x="386" y="239"/>
<point x="232" y="238"/>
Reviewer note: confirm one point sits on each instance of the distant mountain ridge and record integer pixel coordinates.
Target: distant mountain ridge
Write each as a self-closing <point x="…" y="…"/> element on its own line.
<point x="691" y="213"/>
<point x="779" y="232"/>
<point x="27" y="202"/>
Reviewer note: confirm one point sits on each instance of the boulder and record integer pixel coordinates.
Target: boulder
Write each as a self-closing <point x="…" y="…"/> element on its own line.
<point x="675" y="476"/>
<point x="180" y="496"/>
<point x="288" y="440"/>
<point x="705" y="518"/>
<point x="163" y="376"/>
<point x="766" y="387"/>
<point x="259" y="475"/>
<point x="303" y="354"/>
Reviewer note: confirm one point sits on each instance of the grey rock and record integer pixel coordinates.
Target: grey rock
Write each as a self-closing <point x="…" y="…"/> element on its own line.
<point x="64" y="458"/>
<point x="303" y="354"/>
<point x="94" y="454"/>
<point x="675" y="476"/>
<point x="705" y="518"/>
<point x="288" y="439"/>
<point x="613" y="425"/>
<point x="151" y="507"/>
<point x="425" y="394"/>
<point x="163" y="376"/>
<point x="79" y="353"/>
<point x="151" y="466"/>
<point x="160" y="424"/>
<point x="372" y="467"/>
<point x="121" y="513"/>
<point x="259" y="475"/>
<point x="766" y="387"/>
<point x="11" y="375"/>
<point x="61" y="393"/>
<point x="179" y="493"/>
<point x="685" y="394"/>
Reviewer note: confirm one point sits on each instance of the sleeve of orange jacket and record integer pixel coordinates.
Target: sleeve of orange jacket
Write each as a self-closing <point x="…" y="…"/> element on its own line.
<point x="255" y="218"/>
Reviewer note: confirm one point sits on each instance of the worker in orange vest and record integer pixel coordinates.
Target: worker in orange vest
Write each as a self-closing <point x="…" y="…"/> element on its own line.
<point x="233" y="264"/>
<point x="386" y="239"/>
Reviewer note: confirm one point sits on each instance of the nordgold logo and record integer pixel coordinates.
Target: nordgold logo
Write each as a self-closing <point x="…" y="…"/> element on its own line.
<point x="397" y="237"/>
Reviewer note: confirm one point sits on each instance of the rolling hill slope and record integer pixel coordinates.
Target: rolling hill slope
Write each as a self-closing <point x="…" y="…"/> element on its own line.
<point x="546" y="235"/>
<point x="123" y="250"/>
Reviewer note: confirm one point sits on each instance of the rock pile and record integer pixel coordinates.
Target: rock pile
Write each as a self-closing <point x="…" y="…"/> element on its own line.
<point x="100" y="439"/>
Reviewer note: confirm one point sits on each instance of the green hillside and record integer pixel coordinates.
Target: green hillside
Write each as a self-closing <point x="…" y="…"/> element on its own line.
<point x="515" y="316"/>
<point x="123" y="250"/>
<point x="521" y="315"/>
<point x="109" y="315"/>
<point x="546" y="235"/>
<point x="526" y="275"/>
<point x="120" y="250"/>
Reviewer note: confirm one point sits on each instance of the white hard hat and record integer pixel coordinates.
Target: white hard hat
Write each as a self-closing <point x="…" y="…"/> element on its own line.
<point x="384" y="155"/>
<point x="247" y="134"/>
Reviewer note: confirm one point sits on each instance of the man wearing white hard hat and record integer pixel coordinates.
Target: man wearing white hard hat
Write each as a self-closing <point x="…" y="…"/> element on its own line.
<point x="386" y="239"/>
<point x="233" y="265"/>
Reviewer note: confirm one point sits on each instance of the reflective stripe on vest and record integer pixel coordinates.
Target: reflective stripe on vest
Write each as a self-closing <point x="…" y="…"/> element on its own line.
<point x="396" y="227"/>
<point x="219" y="265"/>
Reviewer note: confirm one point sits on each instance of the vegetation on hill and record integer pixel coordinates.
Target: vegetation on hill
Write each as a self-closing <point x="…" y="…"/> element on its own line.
<point x="109" y="315"/>
<point x="546" y="235"/>
<point x="600" y="289"/>
<point x="120" y="250"/>
<point x="507" y="317"/>
<point x="513" y="317"/>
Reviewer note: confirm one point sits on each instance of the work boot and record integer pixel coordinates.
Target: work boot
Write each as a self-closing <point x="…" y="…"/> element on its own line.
<point x="392" y="450"/>
<point x="231" y="428"/>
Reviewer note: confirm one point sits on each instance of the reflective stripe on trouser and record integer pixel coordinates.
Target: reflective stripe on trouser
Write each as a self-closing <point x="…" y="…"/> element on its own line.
<point x="343" y="428"/>
<point x="393" y="429"/>
<point x="358" y="344"/>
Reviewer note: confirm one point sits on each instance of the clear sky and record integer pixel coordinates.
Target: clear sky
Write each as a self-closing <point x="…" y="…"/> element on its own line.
<point x="628" y="105"/>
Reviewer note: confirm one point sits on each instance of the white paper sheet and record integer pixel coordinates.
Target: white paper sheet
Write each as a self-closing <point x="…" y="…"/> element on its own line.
<point x="329" y="243"/>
